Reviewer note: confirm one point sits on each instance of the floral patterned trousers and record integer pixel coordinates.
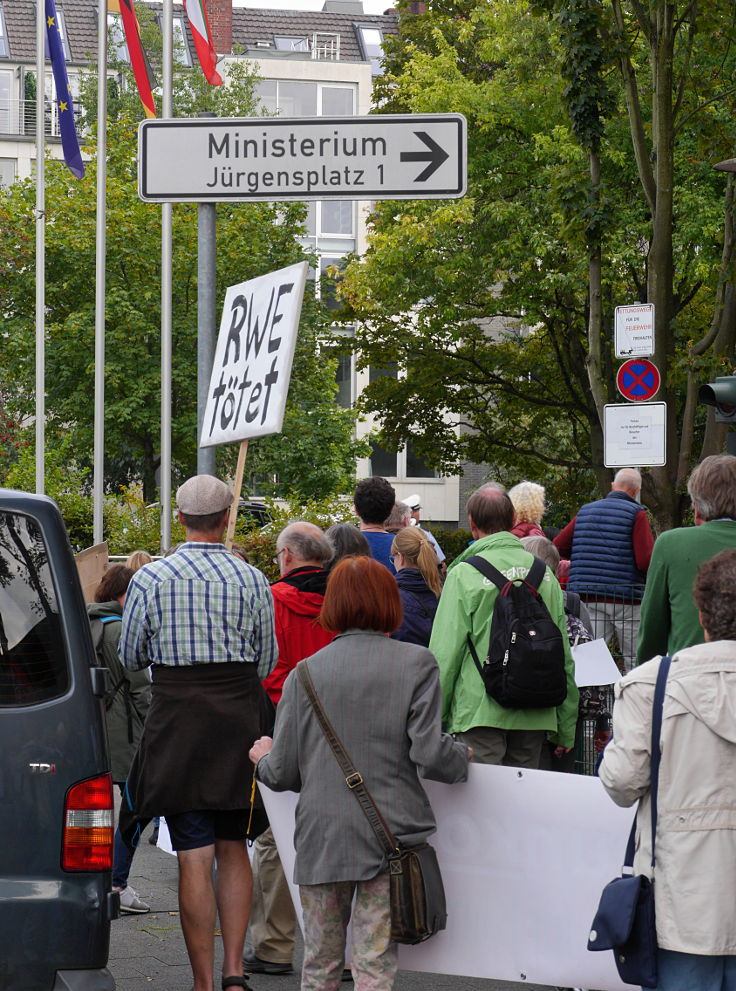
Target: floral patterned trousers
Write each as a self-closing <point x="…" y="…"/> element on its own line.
<point x="326" y="909"/>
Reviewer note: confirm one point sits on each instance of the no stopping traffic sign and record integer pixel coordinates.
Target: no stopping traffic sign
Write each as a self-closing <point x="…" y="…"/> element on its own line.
<point x="638" y="380"/>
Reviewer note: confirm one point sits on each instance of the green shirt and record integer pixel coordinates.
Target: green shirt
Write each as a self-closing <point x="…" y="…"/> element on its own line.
<point x="466" y="606"/>
<point x="669" y="616"/>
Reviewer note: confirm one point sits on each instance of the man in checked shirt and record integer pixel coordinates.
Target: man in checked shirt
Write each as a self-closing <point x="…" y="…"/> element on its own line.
<point x="204" y="620"/>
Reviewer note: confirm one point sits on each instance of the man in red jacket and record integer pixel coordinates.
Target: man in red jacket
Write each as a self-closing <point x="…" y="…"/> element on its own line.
<point x="302" y="551"/>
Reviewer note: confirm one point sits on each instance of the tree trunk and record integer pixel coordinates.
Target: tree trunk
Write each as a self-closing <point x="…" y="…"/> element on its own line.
<point x="660" y="289"/>
<point x="150" y="464"/>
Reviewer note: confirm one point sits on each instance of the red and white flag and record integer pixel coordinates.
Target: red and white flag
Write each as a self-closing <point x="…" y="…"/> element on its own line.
<point x="200" y="25"/>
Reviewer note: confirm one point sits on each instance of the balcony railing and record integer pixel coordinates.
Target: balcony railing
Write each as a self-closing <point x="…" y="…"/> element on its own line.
<point x="18" y="118"/>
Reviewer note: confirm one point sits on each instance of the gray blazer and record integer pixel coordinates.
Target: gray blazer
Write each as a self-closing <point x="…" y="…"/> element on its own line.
<point x="383" y="698"/>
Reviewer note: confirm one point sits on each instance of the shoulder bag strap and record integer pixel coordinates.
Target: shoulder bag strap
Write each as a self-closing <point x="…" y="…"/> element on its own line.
<point x="353" y="778"/>
<point x="657" y="707"/>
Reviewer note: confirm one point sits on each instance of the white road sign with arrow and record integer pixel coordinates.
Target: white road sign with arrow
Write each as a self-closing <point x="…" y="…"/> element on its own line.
<point x="383" y="156"/>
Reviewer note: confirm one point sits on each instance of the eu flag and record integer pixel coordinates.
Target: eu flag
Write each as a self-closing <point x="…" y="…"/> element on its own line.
<point x="69" y="140"/>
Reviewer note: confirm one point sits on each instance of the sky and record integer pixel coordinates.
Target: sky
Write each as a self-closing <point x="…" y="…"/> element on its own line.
<point x="369" y="6"/>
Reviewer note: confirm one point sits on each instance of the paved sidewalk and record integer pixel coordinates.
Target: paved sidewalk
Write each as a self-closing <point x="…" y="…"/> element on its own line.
<point x="147" y="952"/>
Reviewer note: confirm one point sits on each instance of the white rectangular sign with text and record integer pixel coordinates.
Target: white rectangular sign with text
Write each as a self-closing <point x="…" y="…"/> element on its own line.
<point x="634" y="434"/>
<point x="381" y="156"/>
<point x="255" y="349"/>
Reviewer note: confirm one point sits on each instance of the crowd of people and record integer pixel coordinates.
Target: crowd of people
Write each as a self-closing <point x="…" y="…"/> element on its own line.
<point x="385" y="629"/>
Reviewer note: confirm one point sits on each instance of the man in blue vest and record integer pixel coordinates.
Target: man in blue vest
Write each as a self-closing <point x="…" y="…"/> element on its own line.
<point x="609" y="544"/>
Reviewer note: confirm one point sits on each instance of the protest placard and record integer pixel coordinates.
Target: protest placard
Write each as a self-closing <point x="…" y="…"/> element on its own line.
<point x="255" y="349"/>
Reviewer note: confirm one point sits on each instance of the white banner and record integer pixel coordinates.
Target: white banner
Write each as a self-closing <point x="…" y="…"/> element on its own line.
<point x="255" y="349"/>
<point x="524" y="857"/>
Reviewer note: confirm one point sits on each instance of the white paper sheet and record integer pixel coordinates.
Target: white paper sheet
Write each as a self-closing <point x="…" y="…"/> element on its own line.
<point x="594" y="664"/>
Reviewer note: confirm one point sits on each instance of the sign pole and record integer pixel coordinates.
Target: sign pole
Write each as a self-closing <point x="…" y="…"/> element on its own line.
<point x="40" y="247"/>
<point x="237" y="487"/>
<point x="206" y="318"/>
<point x="98" y="476"/>
<point x="167" y="32"/>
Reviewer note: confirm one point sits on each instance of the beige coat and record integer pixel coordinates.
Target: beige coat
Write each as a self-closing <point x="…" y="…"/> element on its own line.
<point x="695" y="885"/>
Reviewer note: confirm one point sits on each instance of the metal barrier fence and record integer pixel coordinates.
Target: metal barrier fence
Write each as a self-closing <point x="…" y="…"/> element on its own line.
<point x="614" y="613"/>
<point x="586" y="755"/>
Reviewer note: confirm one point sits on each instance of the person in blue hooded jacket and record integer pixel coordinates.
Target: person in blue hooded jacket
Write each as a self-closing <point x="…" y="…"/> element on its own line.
<point x="419" y="584"/>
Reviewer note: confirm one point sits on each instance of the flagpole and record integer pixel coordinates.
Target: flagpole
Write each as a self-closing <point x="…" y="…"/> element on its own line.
<point x="40" y="245"/>
<point x="166" y="281"/>
<point x="98" y="476"/>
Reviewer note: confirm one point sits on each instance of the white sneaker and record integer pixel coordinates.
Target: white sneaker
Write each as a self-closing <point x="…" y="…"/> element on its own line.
<point x="130" y="902"/>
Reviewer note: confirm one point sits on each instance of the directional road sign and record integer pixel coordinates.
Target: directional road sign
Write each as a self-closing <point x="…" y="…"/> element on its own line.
<point x="385" y="156"/>
<point x="638" y="380"/>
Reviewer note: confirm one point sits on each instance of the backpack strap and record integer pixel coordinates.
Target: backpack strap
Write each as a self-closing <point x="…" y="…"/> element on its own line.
<point x="534" y="579"/>
<point x="534" y="576"/>
<point x="488" y="571"/>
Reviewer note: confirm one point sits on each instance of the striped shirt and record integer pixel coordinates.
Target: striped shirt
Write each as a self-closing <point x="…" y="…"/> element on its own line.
<point x="201" y="605"/>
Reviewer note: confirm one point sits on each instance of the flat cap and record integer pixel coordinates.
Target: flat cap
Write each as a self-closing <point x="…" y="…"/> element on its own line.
<point x="202" y="495"/>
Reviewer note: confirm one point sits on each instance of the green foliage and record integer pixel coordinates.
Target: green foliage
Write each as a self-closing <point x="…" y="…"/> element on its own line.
<point x="484" y="302"/>
<point x="452" y="542"/>
<point x="260" y="543"/>
<point x="315" y="454"/>
<point x="131" y="525"/>
<point x="66" y="482"/>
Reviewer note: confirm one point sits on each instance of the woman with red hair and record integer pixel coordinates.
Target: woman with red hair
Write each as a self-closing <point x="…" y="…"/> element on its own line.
<point x="383" y="699"/>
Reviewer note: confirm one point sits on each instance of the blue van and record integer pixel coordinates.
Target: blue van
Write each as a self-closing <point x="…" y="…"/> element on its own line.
<point x="56" y="801"/>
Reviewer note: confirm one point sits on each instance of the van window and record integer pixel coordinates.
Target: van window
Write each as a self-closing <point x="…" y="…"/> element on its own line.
<point x="33" y="665"/>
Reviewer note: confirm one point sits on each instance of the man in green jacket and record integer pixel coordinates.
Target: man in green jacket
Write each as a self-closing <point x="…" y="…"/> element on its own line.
<point x="669" y="616"/>
<point x="497" y="735"/>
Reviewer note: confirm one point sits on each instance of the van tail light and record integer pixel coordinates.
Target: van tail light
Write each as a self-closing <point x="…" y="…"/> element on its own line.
<point x="88" y="826"/>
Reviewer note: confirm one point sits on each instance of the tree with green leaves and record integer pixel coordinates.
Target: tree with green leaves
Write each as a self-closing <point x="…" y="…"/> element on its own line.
<point x="499" y="308"/>
<point x="314" y="456"/>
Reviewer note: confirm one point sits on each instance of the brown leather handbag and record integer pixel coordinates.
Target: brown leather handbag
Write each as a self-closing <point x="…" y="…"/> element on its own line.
<point x="418" y="907"/>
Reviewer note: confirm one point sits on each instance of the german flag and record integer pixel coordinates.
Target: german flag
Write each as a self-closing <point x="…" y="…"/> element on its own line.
<point x="142" y="71"/>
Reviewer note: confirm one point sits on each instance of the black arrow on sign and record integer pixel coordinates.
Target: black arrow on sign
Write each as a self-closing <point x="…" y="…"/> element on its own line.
<point x="436" y="156"/>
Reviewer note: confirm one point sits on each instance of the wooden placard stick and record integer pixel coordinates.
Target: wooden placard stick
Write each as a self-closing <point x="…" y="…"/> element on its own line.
<point x="237" y="486"/>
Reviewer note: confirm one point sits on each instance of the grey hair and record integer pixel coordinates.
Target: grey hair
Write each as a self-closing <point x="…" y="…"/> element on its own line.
<point x="305" y="541"/>
<point x="712" y="487"/>
<point x="543" y="548"/>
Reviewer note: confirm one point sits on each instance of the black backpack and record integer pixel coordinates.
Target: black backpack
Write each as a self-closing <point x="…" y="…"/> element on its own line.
<point x="525" y="666"/>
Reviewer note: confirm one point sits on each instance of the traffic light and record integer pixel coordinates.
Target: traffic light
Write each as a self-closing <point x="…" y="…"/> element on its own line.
<point x="722" y="395"/>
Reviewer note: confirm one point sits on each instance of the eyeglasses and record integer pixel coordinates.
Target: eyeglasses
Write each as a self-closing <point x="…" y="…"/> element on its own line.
<point x="275" y="558"/>
<point x="392" y="558"/>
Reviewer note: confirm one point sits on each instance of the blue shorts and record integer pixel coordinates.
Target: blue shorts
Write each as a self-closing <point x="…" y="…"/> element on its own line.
<point x="193" y="830"/>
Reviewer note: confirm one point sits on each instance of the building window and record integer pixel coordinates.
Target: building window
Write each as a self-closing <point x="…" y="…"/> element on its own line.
<point x="6" y="105"/>
<point x="337" y="217"/>
<point x="7" y="171"/>
<point x="415" y="467"/>
<point x="62" y="33"/>
<point x="329" y="282"/>
<point x="266" y="90"/>
<point x="285" y="43"/>
<point x="344" y="377"/>
<point x="118" y="50"/>
<point x="4" y="50"/>
<point x="182" y="55"/>
<point x="297" y="99"/>
<point x="382" y="462"/>
<point x="338" y="101"/>
<point x="371" y="45"/>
